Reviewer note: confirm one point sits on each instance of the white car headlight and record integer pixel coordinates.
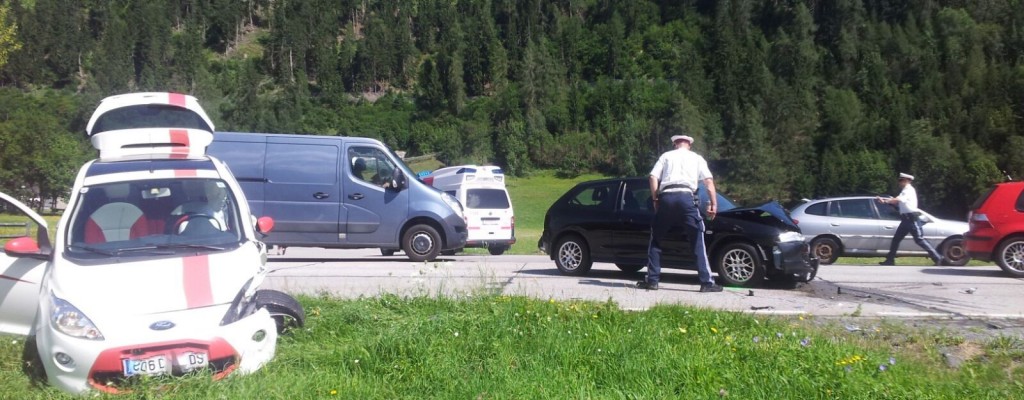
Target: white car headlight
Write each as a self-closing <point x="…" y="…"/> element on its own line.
<point x="70" y="321"/>
<point x="454" y="204"/>
<point x="790" y="236"/>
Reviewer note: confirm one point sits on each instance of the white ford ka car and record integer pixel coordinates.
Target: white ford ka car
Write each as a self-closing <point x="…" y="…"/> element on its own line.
<point x="155" y="267"/>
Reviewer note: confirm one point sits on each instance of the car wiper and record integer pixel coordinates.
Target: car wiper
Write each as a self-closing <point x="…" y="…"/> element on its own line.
<point x="93" y="249"/>
<point x="190" y="246"/>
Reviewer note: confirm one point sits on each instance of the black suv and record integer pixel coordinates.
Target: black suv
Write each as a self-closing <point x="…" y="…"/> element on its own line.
<point x="609" y="220"/>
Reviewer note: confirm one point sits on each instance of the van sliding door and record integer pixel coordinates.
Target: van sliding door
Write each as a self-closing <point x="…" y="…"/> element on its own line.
<point x="302" y="190"/>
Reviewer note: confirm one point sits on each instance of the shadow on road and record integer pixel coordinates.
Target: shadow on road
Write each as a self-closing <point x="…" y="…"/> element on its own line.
<point x="372" y="260"/>
<point x="970" y="271"/>
<point x="616" y="278"/>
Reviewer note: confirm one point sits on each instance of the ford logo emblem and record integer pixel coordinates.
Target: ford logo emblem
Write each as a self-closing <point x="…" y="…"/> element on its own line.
<point x="161" y="325"/>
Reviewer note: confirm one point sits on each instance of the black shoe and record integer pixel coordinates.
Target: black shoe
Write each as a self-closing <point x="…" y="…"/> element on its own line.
<point x="887" y="262"/>
<point x="710" y="288"/>
<point x="647" y="285"/>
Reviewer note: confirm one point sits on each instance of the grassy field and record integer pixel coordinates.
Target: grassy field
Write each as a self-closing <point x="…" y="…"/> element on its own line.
<point x="487" y="346"/>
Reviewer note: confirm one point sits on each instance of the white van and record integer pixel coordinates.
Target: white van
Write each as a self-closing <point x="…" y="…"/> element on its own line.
<point x="488" y="208"/>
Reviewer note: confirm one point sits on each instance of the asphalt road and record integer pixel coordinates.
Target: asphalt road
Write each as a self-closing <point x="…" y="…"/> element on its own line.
<point x="839" y="290"/>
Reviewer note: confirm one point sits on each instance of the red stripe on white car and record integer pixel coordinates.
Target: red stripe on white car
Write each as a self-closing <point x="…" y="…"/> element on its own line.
<point x="185" y="173"/>
<point x="198" y="291"/>
<point x="179" y="137"/>
<point x="176" y="99"/>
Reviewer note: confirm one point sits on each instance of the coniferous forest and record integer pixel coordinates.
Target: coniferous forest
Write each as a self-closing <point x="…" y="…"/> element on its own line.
<point x="786" y="98"/>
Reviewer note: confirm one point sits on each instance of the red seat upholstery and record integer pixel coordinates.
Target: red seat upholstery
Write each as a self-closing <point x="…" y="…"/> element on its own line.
<point x="114" y="222"/>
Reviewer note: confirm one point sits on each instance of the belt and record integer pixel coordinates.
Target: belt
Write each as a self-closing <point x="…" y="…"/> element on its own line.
<point x="676" y="189"/>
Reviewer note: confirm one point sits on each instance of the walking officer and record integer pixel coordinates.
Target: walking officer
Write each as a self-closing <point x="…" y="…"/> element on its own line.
<point x="909" y="221"/>
<point x="673" y="181"/>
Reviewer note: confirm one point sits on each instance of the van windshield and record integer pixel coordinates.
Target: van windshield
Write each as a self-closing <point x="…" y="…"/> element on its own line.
<point x="162" y="216"/>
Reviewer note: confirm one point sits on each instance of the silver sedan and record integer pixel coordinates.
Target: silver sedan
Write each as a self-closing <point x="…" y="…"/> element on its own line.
<point x="861" y="227"/>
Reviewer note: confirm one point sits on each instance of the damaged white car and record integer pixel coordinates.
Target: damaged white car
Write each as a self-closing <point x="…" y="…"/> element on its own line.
<point x="156" y="264"/>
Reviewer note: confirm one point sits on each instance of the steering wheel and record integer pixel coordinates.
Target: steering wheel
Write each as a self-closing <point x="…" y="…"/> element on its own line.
<point x="179" y="225"/>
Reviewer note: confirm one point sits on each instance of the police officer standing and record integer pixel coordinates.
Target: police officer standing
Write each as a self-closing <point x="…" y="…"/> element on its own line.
<point x="909" y="221"/>
<point x="673" y="183"/>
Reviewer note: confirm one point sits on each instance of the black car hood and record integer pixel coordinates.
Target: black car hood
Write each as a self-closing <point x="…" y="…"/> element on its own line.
<point x="770" y="212"/>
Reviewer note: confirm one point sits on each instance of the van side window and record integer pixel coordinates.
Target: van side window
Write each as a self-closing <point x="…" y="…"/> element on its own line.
<point x="281" y="165"/>
<point x="371" y="165"/>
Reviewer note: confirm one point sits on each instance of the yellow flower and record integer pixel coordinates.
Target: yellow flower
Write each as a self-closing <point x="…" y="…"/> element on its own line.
<point x="334" y="392"/>
<point x="714" y="330"/>
<point x="682" y="330"/>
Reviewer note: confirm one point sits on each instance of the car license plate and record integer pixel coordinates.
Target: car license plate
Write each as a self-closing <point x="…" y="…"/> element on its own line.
<point x="146" y="366"/>
<point x="159" y="365"/>
<point x="190" y="361"/>
<point x="490" y="221"/>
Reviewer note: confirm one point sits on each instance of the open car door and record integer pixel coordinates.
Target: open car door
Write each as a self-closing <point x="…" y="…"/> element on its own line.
<point x="25" y="238"/>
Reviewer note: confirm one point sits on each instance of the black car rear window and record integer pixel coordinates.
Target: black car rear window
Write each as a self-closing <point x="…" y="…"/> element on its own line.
<point x="486" y="198"/>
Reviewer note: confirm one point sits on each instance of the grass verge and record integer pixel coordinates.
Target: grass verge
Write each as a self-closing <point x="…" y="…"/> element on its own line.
<point x="499" y="347"/>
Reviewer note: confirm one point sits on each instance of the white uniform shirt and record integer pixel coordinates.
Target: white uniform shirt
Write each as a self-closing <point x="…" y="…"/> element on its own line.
<point x="681" y="167"/>
<point x="908" y="199"/>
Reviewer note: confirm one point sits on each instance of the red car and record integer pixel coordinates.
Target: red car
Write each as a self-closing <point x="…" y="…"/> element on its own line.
<point x="997" y="227"/>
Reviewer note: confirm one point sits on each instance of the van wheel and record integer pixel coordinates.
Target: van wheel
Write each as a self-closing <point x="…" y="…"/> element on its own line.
<point x="286" y="311"/>
<point x="387" y="252"/>
<point x="497" y="250"/>
<point x="421" y="243"/>
<point x="739" y="265"/>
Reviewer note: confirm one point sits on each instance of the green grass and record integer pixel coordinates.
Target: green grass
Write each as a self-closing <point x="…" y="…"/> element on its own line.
<point x="499" y="347"/>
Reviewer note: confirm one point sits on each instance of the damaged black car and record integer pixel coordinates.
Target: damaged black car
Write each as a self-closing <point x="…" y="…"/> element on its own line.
<point x="609" y="221"/>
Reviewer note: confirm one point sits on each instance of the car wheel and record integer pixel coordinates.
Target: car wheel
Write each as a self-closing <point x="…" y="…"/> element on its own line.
<point x="739" y="265"/>
<point x="630" y="269"/>
<point x="497" y="250"/>
<point x="421" y="243"/>
<point x="572" y="256"/>
<point x="31" y="363"/>
<point x="286" y="311"/>
<point x="826" y="249"/>
<point x="955" y="253"/>
<point x="387" y="252"/>
<point x="1011" y="256"/>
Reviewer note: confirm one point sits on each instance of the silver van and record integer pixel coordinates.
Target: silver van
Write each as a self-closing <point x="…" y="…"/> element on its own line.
<point x="340" y="192"/>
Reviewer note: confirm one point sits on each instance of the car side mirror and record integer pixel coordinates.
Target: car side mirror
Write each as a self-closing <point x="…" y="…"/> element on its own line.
<point x="25" y="247"/>
<point x="398" y="180"/>
<point x="264" y="225"/>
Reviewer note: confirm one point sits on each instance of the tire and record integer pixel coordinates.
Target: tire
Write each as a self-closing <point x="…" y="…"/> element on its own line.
<point x="1010" y="256"/>
<point x="954" y="252"/>
<point x="572" y="256"/>
<point x="31" y="363"/>
<point x="629" y="268"/>
<point x="421" y="243"/>
<point x="497" y="250"/>
<point x="739" y="265"/>
<point x="387" y="252"/>
<point x="826" y="249"/>
<point x="286" y="311"/>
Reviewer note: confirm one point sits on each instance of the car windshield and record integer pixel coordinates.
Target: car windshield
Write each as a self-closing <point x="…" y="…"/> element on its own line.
<point x="149" y="116"/>
<point x="163" y="216"/>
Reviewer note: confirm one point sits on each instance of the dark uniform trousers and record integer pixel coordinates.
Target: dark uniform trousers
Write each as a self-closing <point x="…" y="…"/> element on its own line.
<point x="909" y="223"/>
<point x="677" y="209"/>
